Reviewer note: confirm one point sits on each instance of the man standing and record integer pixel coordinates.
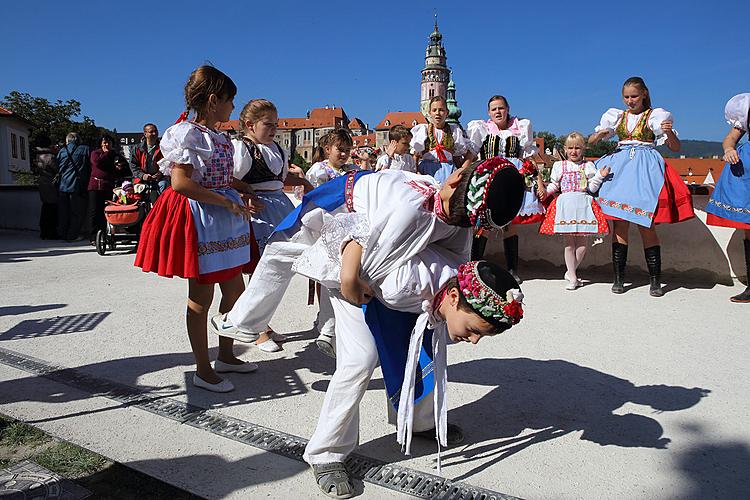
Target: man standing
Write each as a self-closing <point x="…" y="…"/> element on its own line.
<point x="144" y="161"/>
<point x="73" y="160"/>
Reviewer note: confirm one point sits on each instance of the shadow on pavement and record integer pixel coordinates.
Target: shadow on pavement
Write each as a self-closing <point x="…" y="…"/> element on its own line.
<point x="27" y="256"/>
<point x="16" y="310"/>
<point x="550" y="399"/>
<point x="59" y="325"/>
<point x="218" y="477"/>
<point x="713" y="468"/>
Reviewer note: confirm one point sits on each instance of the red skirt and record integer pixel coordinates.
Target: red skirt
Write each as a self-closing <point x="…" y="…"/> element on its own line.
<point x="675" y="201"/>
<point x="715" y="220"/>
<point x="168" y="244"/>
<point x="548" y="226"/>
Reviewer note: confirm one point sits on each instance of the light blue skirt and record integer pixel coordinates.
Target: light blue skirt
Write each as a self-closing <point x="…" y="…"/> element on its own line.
<point x="278" y="206"/>
<point x="731" y="198"/>
<point x="631" y="190"/>
<point x="440" y="171"/>
<point x="223" y="238"/>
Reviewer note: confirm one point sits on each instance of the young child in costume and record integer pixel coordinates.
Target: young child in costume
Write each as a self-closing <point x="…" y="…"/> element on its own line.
<point x="574" y="213"/>
<point x="338" y="145"/>
<point x="198" y="227"/>
<point x="261" y="163"/>
<point x="641" y="187"/>
<point x="729" y="205"/>
<point x="397" y="156"/>
<point x="439" y="145"/>
<point x="509" y="137"/>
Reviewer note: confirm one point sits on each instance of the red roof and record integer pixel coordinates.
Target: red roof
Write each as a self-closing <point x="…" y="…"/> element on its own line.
<point x="11" y="114"/>
<point x="364" y="140"/>
<point x="405" y="118"/>
<point x="698" y="167"/>
<point x="356" y="123"/>
<point x="5" y="112"/>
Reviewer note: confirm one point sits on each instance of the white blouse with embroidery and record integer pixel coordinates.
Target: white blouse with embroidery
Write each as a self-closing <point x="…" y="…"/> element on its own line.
<point x="188" y="144"/>
<point x="736" y="111"/>
<point x="592" y="174"/>
<point x="477" y="132"/>
<point x="611" y="118"/>
<point x="243" y="162"/>
<point x="419" y="138"/>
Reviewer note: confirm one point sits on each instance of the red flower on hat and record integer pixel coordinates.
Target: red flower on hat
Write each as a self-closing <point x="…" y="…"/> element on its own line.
<point x="514" y="311"/>
<point x="528" y="168"/>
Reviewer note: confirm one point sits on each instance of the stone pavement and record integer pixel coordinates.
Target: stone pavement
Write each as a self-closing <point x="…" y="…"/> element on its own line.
<point x="592" y="396"/>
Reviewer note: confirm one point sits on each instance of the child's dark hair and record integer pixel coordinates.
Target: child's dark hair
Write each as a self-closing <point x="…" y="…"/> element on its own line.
<point x="339" y="137"/>
<point x="203" y="82"/>
<point x="398" y="132"/>
<point x="498" y="98"/>
<point x="495" y="277"/>
<point x="108" y="138"/>
<point x="637" y="82"/>
<point x="438" y="98"/>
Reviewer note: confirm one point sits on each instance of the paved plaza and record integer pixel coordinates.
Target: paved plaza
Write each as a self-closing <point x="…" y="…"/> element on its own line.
<point x="591" y="396"/>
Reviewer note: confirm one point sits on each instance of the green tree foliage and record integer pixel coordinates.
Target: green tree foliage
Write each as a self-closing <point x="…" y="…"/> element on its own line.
<point x="53" y="120"/>
<point x="601" y="148"/>
<point x="551" y="141"/>
<point x="299" y="161"/>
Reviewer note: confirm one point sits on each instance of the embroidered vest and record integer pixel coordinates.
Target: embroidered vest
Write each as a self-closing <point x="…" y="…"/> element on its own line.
<point x="260" y="172"/>
<point x="573" y="177"/>
<point x="494" y="145"/>
<point x="641" y="131"/>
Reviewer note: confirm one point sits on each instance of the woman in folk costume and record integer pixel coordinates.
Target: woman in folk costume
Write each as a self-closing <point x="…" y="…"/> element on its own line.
<point x="198" y="227"/>
<point x="574" y="214"/>
<point x="509" y="137"/>
<point x="412" y="308"/>
<point x="641" y="187"/>
<point x="729" y="205"/>
<point x="439" y="145"/>
<point x="260" y="162"/>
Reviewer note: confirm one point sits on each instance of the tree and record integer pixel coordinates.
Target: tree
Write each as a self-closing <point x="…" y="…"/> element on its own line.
<point x="601" y="148"/>
<point x="299" y="161"/>
<point x="52" y="119"/>
<point x="551" y="141"/>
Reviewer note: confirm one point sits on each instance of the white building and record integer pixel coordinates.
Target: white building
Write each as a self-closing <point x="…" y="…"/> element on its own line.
<point x="14" y="146"/>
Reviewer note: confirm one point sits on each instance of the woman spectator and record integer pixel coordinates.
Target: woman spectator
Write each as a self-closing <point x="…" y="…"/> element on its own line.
<point x="104" y="172"/>
<point x="45" y="164"/>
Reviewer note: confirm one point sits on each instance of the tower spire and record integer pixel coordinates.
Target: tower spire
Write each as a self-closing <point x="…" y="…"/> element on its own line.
<point x="436" y="26"/>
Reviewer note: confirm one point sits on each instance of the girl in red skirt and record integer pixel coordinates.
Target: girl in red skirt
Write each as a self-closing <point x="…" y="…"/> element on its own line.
<point x="574" y="214"/>
<point x="641" y="187"/>
<point x="198" y="228"/>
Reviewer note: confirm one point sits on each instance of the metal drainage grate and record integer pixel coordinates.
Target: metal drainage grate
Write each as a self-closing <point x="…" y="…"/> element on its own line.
<point x="370" y="470"/>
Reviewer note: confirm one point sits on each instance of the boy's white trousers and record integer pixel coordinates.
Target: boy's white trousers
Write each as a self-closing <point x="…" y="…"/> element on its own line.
<point x="256" y="306"/>
<point x="337" y="433"/>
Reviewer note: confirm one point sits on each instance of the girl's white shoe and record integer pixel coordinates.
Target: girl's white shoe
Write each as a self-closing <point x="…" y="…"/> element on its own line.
<point x="223" y="386"/>
<point x="268" y="346"/>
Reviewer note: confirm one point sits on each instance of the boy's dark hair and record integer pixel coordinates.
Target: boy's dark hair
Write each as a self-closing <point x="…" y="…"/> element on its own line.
<point x="150" y="125"/>
<point x="398" y="132"/>
<point x="338" y="137"/>
<point x="504" y="199"/>
<point x="108" y="138"/>
<point x="203" y="82"/>
<point x="495" y="277"/>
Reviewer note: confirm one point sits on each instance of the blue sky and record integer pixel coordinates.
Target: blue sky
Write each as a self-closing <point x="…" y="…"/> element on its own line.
<point x="561" y="63"/>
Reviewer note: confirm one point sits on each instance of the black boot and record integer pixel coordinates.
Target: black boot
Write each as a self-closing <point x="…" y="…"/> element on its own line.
<point x="653" y="262"/>
<point x="619" y="259"/>
<point x="744" y="297"/>
<point x="510" y="245"/>
<point x="478" y="245"/>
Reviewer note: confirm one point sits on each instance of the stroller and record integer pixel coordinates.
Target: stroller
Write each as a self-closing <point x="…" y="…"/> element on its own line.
<point x="125" y="216"/>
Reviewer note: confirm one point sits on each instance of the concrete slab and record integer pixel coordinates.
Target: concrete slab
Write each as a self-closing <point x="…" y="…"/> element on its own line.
<point x="592" y="396"/>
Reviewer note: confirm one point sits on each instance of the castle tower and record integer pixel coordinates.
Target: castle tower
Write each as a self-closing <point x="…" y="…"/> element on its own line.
<point x="454" y="111"/>
<point x="435" y="74"/>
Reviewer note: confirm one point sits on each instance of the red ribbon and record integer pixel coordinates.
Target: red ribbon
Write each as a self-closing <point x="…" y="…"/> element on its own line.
<point x="183" y="117"/>
<point x="440" y="150"/>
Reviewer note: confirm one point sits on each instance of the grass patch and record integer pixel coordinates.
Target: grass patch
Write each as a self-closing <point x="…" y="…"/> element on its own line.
<point x="20" y="434"/>
<point x="70" y="461"/>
